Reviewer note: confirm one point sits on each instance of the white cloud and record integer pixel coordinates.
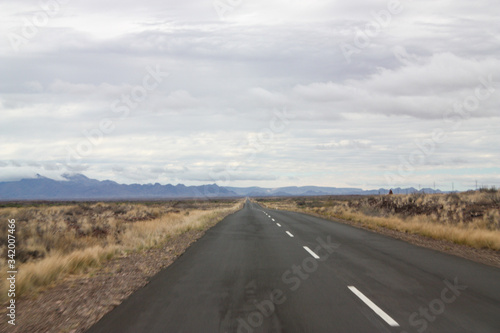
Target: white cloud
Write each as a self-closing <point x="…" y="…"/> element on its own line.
<point x="180" y="99"/>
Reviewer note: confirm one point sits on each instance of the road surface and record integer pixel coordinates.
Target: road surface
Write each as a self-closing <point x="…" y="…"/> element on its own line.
<point x="262" y="270"/>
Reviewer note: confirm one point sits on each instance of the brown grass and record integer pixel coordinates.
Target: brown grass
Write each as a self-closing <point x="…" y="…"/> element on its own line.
<point x="470" y="218"/>
<point x="54" y="241"/>
<point x="38" y="274"/>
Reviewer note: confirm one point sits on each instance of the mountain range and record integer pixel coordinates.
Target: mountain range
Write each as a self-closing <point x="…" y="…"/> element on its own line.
<point x="80" y="187"/>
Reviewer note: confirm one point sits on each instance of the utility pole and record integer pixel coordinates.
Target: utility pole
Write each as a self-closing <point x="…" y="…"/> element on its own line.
<point x="476" y="184"/>
<point x="453" y="187"/>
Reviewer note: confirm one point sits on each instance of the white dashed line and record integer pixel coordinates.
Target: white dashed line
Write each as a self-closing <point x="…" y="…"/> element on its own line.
<point x="315" y="256"/>
<point x="374" y="307"/>
<point x="279" y="225"/>
<point x="273" y="220"/>
<point x="289" y="233"/>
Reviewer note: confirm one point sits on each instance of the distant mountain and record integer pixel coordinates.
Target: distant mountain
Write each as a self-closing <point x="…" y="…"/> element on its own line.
<point x="317" y="191"/>
<point x="80" y="187"/>
<point x="290" y="191"/>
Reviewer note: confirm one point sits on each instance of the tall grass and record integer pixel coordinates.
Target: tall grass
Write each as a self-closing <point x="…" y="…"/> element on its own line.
<point x="56" y="241"/>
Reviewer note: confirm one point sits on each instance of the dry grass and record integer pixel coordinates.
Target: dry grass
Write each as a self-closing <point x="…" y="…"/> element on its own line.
<point x="37" y="274"/>
<point x="470" y="218"/>
<point x="148" y="234"/>
<point x="56" y="240"/>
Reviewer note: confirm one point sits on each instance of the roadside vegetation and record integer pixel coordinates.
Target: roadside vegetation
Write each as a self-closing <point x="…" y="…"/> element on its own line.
<point x="56" y="240"/>
<point x="469" y="218"/>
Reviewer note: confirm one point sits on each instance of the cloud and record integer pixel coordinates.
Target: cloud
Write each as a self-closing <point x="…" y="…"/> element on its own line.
<point x="262" y="96"/>
<point x="344" y="144"/>
<point x="180" y="99"/>
<point x="422" y="89"/>
<point x="352" y="121"/>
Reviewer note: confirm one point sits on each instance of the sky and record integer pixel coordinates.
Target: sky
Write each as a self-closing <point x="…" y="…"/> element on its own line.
<point x="365" y="94"/>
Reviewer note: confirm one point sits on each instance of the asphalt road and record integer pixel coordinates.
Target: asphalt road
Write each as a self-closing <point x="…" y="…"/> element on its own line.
<point x="262" y="270"/>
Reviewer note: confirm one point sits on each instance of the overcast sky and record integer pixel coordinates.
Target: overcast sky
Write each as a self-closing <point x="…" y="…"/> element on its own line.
<point x="271" y="93"/>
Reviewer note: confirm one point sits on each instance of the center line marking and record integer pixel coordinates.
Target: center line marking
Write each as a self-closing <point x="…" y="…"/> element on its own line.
<point x="374" y="307"/>
<point x="289" y="233"/>
<point x="315" y="256"/>
<point x="272" y="219"/>
<point x="279" y="225"/>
